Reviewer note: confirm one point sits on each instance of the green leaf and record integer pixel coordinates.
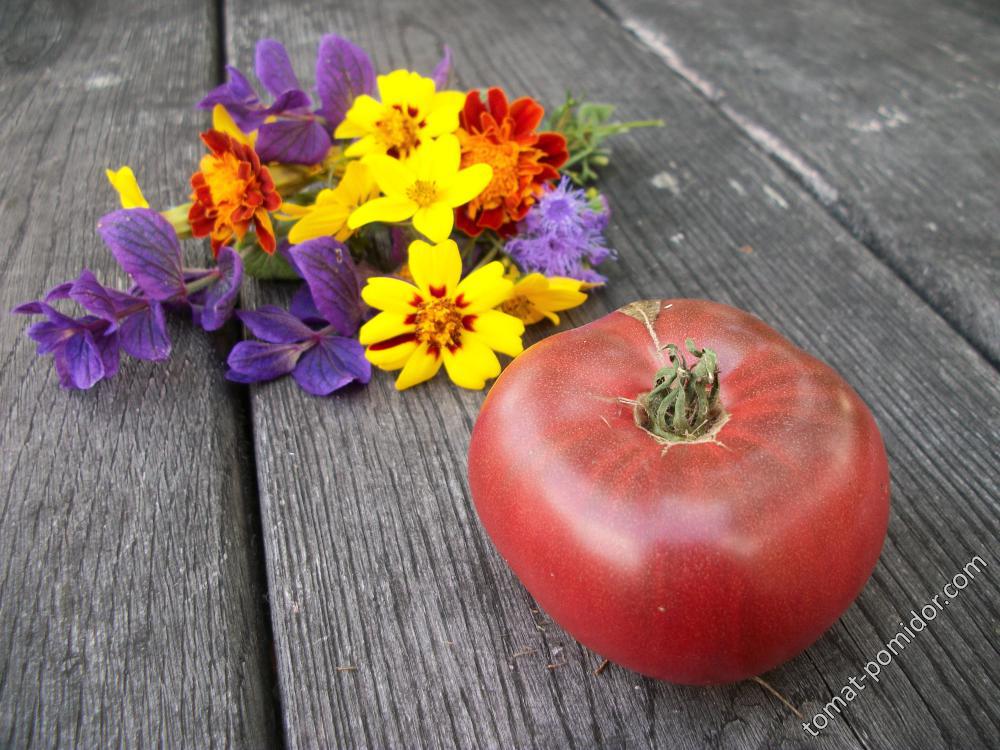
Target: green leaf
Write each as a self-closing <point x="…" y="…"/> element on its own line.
<point x="260" y="265"/>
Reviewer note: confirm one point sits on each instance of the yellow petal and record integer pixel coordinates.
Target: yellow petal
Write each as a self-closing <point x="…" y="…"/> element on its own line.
<point x="127" y="186"/>
<point x="392" y="295"/>
<point x="484" y="288"/>
<point x="384" y="326"/>
<point x="466" y="185"/>
<point x="391" y="175"/>
<point x="472" y="363"/>
<point x="357" y="186"/>
<point x="437" y="266"/>
<point x="392" y="87"/>
<point x="443" y="117"/>
<point x="363" y="147"/>
<point x="322" y="221"/>
<point x="422" y="365"/>
<point x="443" y="157"/>
<point x="559" y="295"/>
<point x="392" y="358"/>
<point x="499" y="331"/>
<point x="382" y="209"/>
<point x="435" y="221"/>
<point x="360" y="118"/>
<point x="223" y="122"/>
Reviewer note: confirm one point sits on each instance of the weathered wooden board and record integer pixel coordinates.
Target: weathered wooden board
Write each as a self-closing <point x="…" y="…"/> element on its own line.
<point x="132" y="608"/>
<point x="886" y="112"/>
<point x="396" y="624"/>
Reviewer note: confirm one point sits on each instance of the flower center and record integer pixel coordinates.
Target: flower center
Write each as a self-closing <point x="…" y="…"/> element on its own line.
<point x="223" y="177"/>
<point x="503" y="157"/>
<point x="519" y="306"/>
<point x="399" y="130"/>
<point x="422" y="193"/>
<point x="439" y="324"/>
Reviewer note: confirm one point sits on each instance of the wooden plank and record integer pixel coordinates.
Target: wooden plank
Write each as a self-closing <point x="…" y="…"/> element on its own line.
<point x="131" y="593"/>
<point x="397" y="624"/>
<point x="885" y="111"/>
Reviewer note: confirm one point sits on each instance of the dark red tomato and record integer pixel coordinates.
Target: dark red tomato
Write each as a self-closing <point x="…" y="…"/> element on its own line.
<point x="697" y="561"/>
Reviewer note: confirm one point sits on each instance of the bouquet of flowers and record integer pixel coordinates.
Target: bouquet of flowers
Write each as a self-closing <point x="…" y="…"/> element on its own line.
<point x="428" y="226"/>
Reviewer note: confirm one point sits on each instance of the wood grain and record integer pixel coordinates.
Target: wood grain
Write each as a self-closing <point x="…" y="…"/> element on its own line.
<point x="886" y="112"/>
<point x="131" y="595"/>
<point x="396" y="623"/>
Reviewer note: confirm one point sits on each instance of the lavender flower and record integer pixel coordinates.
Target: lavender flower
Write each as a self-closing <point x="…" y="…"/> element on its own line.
<point x="314" y="341"/>
<point x="87" y="349"/>
<point x="562" y="235"/>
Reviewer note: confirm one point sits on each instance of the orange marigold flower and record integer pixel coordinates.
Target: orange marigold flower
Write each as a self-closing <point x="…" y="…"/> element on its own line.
<point x="503" y="136"/>
<point x="232" y="189"/>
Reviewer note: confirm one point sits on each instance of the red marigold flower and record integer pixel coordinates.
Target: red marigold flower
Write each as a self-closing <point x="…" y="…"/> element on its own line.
<point x="231" y="190"/>
<point x="503" y="136"/>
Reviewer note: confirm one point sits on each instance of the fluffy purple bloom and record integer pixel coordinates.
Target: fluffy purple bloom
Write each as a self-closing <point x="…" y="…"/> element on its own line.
<point x="314" y="341"/>
<point x="562" y="235"/>
<point x="87" y="349"/>
<point x="290" y="130"/>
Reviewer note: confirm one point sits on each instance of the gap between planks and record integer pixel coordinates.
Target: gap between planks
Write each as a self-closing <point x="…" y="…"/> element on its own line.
<point x="851" y="218"/>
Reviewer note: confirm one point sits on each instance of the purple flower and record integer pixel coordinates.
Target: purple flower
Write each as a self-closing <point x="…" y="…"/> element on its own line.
<point x="87" y="349"/>
<point x="290" y="130"/>
<point x="562" y="235"/>
<point x="314" y="341"/>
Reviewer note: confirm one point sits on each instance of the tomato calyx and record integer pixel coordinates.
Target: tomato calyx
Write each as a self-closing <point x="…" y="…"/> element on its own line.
<point x="683" y="404"/>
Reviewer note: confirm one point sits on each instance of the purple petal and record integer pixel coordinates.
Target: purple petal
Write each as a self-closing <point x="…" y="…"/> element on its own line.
<point x="28" y="308"/>
<point x="303" y="307"/>
<point x="239" y="99"/>
<point x="273" y="67"/>
<point x="48" y="335"/>
<point x="343" y="72"/>
<point x="89" y="294"/>
<point x="143" y="334"/>
<point x="293" y="100"/>
<point x="332" y="364"/>
<point x="442" y="71"/>
<point x="256" y="361"/>
<point x="60" y="291"/>
<point x="220" y="298"/>
<point x="328" y="269"/>
<point x="146" y="246"/>
<point x="275" y="325"/>
<point x="109" y="348"/>
<point x="79" y="361"/>
<point x="296" y="141"/>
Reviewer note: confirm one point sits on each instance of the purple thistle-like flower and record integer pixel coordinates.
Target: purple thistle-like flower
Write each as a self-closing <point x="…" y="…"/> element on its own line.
<point x="314" y="341"/>
<point x="87" y="349"/>
<point x="562" y="235"/>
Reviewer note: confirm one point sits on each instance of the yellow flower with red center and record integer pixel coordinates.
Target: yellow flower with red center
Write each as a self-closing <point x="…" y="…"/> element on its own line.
<point x="427" y="188"/>
<point x="503" y="136"/>
<point x="440" y="319"/>
<point x="327" y="217"/>
<point x="535" y="296"/>
<point x="412" y="113"/>
<point x="232" y="190"/>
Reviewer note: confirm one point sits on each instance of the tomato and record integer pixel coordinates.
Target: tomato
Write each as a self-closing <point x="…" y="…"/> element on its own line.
<point x="707" y="556"/>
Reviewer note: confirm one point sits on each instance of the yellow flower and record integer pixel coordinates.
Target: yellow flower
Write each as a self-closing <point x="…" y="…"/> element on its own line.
<point x="534" y="297"/>
<point x="427" y="188"/>
<point x="440" y="319"/>
<point x="124" y="182"/>
<point x="410" y="114"/>
<point x="224" y="123"/>
<point x="327" y="217"/>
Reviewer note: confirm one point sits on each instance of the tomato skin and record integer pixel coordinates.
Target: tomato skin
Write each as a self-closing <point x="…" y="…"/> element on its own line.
<point x="699" y="564"/>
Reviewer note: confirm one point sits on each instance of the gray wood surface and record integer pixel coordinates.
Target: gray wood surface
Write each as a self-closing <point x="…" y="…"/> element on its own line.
<point x="131" y="595"/>
<point x="396" y="623"/>
<point x="885" y="112"/>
